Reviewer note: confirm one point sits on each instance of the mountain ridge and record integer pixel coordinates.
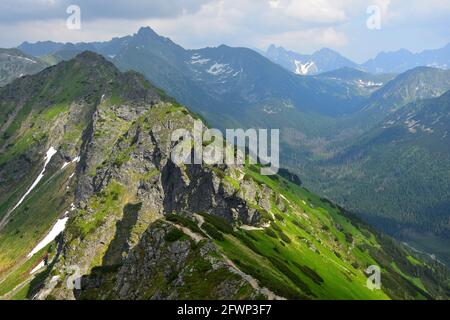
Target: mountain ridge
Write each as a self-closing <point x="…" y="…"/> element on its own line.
<point x="15" y="64"/>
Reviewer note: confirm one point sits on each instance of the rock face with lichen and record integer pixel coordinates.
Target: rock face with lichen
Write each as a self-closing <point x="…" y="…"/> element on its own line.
<point x="141" y="226"/>
<point x="120" y="196"/>
<point x="125" y="183"/>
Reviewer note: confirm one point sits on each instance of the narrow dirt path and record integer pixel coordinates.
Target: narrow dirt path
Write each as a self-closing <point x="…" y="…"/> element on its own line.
<point x="19" y="287"/>
<point x="195" y="236"/>
<point x="252" y="281"/>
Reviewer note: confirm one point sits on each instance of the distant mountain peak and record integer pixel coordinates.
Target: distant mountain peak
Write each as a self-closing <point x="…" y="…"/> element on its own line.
<point x="400" y="52"/>
<point x="402" y="60"/>
<point x="326" y="50"/>
<point x="320" y="61"/>
<point x="89" y="57"/>
<point x="147" y="31"/>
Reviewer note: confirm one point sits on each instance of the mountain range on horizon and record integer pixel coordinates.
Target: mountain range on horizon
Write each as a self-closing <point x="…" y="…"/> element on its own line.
<point x="326" y="60"/>
<point x="323" y="60"/>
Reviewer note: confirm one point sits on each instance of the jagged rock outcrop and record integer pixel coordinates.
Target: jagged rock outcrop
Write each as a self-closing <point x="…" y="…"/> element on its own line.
<point x="126" y="173"/>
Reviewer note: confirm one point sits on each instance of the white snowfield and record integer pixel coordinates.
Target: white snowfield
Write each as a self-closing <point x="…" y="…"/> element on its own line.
<point x="197" y="59"/>
<point x="59" y="227"/>
<point x="50" y="153"/>
<point x="38" y="267"/>
<point x="77" y="159"/>
<point x="19" y="57"/>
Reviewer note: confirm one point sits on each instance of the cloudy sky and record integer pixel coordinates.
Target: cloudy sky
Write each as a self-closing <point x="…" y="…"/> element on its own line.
<point x="299" y="25"/>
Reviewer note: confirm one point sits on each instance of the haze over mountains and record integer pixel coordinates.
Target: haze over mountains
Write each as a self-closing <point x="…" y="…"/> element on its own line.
<point x="320" y="61"/>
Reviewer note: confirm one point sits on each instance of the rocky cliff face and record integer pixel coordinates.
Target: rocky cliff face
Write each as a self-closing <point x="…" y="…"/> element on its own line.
<point x="125" y="182"/>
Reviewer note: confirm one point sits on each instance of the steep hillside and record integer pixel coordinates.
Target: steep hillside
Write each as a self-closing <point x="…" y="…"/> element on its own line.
<point x="403" y="163"/>
<point x="413" y="85"/>
<point x="366" y="82"/>
<point x="15" y="64"/>
<point x="37" y="112"/>
<point x="418" y="83"/>
<point x="138" y="226"/>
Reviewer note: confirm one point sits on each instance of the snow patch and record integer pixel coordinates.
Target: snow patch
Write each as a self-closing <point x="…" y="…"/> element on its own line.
<point x="59" y="227"/>
<point x="19" y="57"/>
<point x="369" y="84"/>
<point x="77" y="159"/>
<point x="237" y="73"/>
<point x="270" y="110"/>
<point x="26" y="59"/>
<point x="197" y="59"/>
<point x="50" y="153"/>
<point x="38" y="267"/>
<point x="252" y="228"/>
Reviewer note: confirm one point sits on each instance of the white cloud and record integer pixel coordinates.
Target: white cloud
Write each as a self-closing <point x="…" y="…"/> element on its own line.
<point x="26" y="10"/>
<point x="302" y="25"/>
<point x="320" y="11"/>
